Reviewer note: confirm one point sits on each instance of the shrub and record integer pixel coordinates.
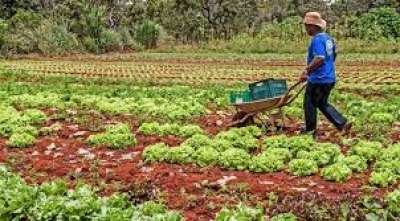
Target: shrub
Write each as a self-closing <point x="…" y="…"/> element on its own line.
<point x="55" y="38"/>
<point x="148" y="34"/>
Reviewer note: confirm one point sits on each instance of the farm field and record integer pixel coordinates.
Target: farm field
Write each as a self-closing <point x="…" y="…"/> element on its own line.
<point x="151" y="130"/>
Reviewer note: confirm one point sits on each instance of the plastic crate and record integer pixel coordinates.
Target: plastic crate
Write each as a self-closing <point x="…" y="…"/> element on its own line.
<point x="268" y="88"/>
<point x="237" y="97"/>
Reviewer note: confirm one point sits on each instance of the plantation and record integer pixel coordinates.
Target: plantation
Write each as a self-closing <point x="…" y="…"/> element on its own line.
<point x="147" y="138"/>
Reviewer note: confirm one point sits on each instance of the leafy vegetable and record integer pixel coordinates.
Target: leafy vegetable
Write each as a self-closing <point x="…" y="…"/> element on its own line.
<point x="383" y="178"/>
<point x="284" y="217"/>
<point x="338" y="172"/>
<point x="53" y="201"/>
<point x="170" y="129"/>
<point x="355" y="163"/>
<point x="294" y="144"/>
<point x="198" y="141"/>
<point x="21" y="140"/>
<point x="267" y="163"/>
<point x="155" y="153"/>
<point x="116" y="136"/>
<point x="393" y="202"/>
<point x="303" y="167"/>
<point x="235" y="159"/>
<point x="35" y="116"/>
<point x="181" y="155"/>
<point x="281" y="153"/>
<point x="206" y="155"/>
<point x="240" y="212"/>
<point x="366" y="149"/>
<point x="320" y="157"/>
<point x="242" y="138"/>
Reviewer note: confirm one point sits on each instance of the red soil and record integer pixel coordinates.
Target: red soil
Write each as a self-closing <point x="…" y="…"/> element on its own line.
<point x="194" y="191"/>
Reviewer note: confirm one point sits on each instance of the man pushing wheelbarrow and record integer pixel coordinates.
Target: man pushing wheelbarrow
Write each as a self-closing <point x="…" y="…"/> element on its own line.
<point x="269" y="94"/>
<point x="320" y="76"/>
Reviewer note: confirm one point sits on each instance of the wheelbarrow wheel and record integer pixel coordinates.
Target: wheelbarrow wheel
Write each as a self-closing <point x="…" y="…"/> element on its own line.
<point x="242" y="119"/>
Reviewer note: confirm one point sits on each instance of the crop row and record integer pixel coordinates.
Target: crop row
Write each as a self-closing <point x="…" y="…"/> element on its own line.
<point x="54" y="201"/>
<point x="188" y="72"/>
<point x="300" y="156"/>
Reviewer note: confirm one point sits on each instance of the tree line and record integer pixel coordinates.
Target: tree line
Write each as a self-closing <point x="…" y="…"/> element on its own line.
<point x="60" y="26"/>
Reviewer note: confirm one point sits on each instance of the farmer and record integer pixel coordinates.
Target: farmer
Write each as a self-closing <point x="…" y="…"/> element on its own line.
<point x="320" y="76"/>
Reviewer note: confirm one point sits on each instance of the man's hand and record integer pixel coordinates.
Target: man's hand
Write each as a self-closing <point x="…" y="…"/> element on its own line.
<point x="304" y="76"/>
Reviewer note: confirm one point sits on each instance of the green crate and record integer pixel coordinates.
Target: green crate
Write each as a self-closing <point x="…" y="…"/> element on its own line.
<point x="237" y="97"/>
<point x="268" y="88"/>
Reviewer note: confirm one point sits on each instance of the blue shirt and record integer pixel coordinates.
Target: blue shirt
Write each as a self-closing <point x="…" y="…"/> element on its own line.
<point x="322" y="45"/>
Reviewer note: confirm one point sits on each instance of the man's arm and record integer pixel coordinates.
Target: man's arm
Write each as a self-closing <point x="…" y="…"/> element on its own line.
<point x="314" y="65"/>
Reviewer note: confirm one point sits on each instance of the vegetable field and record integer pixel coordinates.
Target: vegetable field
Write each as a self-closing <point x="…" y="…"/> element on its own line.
<point x="145" y="137"/>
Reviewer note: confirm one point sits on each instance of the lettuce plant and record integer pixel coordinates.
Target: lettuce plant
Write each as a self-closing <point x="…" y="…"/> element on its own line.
<point x="338" y="172"/>
<point x="235" y="158"/>
<point x="206" y="155"/>
<point x="303" y="167"/>
<point x="21" y="140"/>
<point x="116" y="137"/>
<point x="155" y="153"/>
<point x="267" y="163"/>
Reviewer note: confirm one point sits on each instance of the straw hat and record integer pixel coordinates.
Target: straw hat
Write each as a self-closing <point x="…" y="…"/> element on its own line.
<point x="314" y="18"/>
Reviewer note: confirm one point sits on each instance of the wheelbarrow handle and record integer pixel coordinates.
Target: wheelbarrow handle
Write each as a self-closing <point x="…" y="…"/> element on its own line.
<point x="287" y="99"/>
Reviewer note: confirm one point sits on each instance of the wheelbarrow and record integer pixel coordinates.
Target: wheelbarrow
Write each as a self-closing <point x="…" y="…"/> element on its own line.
<point x="248" y="112"/>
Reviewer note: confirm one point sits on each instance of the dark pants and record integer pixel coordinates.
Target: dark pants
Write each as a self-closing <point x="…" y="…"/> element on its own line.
<point x="317" y="96"/>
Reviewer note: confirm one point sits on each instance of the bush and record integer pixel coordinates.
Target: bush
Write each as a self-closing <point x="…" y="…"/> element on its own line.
<point x="109" y="41"/>
<point x="148" y="34"/>
<point x="379" y="22"/>
<point x="55" y="38"/>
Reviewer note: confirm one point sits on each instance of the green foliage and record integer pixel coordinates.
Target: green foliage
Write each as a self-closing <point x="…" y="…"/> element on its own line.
<point x="294" y="144"/>
<point x="197" y="141"/>
<point x="36" y="117"/>
<point x="116" y="137"/>
<point x="242" y="138"/>
<point x="53" y="201"/>
<point x="393" y="202"/>
<point x="338" y="172"/>
<point x="383" y="178"/>
<point x="240" y="212"/>
<point x="320" y="157"/>
<point x="355" y="163"/>
<point x="267" y="163"/>
<point x="235" y="158"/>
<point x="181" y="155"/>
<point x="366" y="149"/>
<point x="284" y="217"/>
<point x="148" y="34"/>
<point x="155" y="153"/>
<point x="20" y="140"/>
<point x="206" y="155"/>
<point x="280" y="153"/>
<point x="56" y="39"/>
<point x="170" y="129"/>
<point x="380" y="22"/>
<point x="303" y="167"/>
